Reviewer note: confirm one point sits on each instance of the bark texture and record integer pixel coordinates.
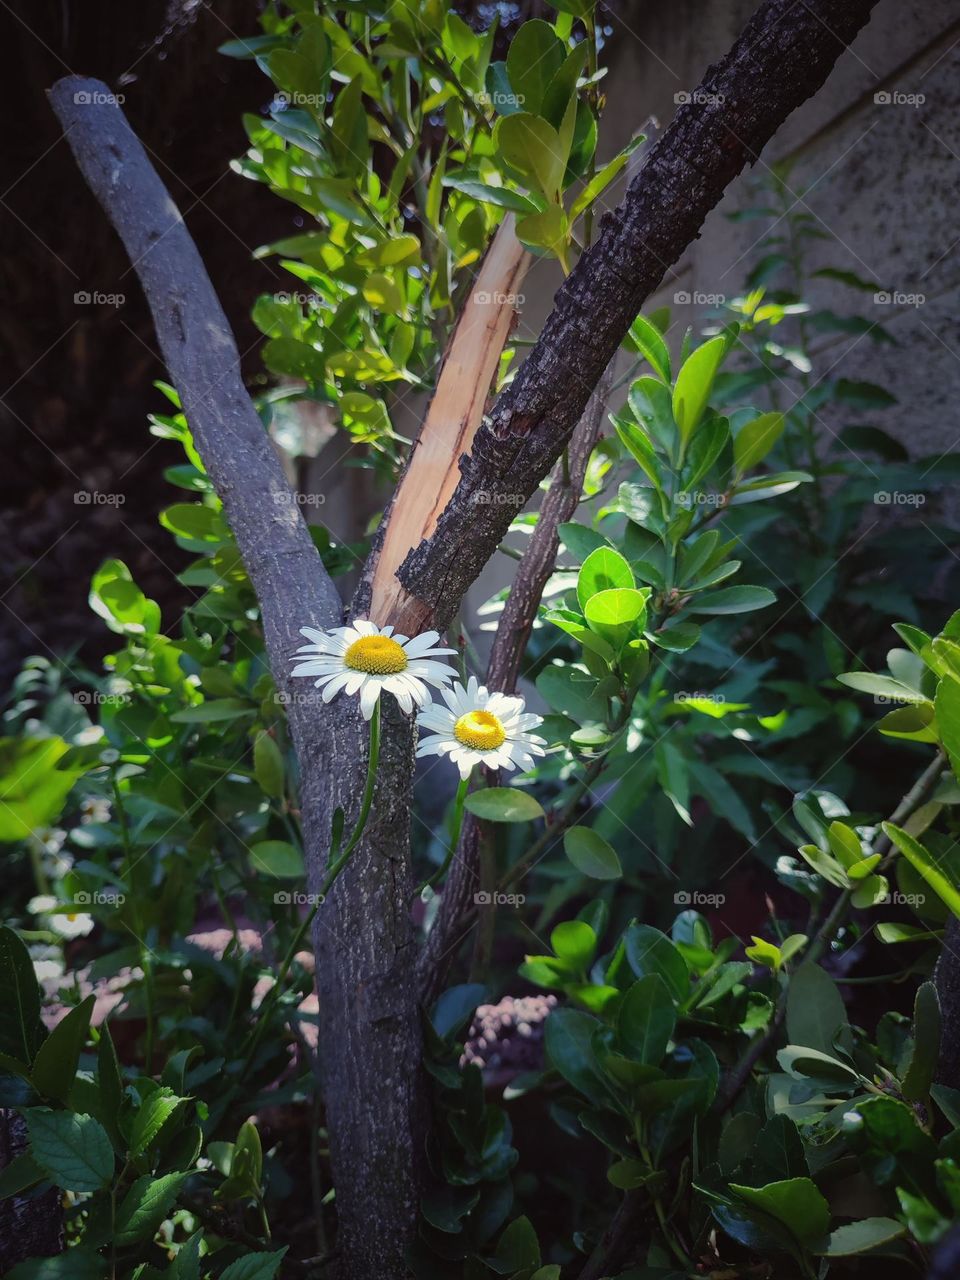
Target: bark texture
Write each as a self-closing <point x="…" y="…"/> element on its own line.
<point x="782" y="57"/>
<point x="370" y="1031"/>
<point x="503" y="668"/>
<point x="31" y="1226"/>
<point x="369" y="1016"/>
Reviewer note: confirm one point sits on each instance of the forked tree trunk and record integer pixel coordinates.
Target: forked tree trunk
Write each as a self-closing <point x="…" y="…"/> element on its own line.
<point x="370" y="1046"/>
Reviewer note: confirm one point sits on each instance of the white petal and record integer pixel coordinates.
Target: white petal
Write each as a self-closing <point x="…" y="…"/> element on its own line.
<point x="369" y="694"/>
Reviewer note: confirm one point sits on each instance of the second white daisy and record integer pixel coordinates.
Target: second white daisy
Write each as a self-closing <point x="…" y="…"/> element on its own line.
<point x="480" y="727"/>
<point x="368" y="660"/>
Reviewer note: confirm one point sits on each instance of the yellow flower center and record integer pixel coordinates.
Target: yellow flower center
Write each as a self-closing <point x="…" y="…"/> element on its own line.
<point x="480" y="730"/>
<point x="377" y="655"/>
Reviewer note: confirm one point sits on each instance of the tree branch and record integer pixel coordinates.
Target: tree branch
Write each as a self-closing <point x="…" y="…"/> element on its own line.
<point x="782" y="57"/>
<point x="201" y="356"/>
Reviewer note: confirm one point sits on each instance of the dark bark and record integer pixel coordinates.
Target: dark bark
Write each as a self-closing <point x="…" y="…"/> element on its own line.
<point x="31" y="1226"/>
<point x="370" y="1023"/>
<point x="503" y="668"/>
<point x="782" y="57"/>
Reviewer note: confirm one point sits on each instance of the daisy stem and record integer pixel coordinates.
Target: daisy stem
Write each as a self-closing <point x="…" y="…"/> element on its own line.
<point x="458" y="804"/>
<point x="340" y="860"/>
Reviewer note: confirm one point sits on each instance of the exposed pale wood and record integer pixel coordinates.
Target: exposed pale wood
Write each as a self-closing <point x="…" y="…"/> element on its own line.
<point x="455" y="413"/>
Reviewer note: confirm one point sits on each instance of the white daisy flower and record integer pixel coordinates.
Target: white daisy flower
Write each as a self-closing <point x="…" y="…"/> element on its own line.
<point x="366" y="659"/>
<point x="480" y="727"/>
<point x="71" y="924"/>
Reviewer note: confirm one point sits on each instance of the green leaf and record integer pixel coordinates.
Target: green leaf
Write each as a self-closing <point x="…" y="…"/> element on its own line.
<point x="755" y="440"/>
<point x="277" y="858"/>
<point x="152" y="1114"/>
<point x="502" y="197"/>
<point x="649" y="951"/>
<point x="575" y="943"/>
<point x="55" y="1065"/>
<point x="75" y="1264"/>
<point x="732" y="600"/>
<point x="32" y="788"/>
<point x="268" y="765"/>
<point x="646" y="1020"/>
<point x="73" y="1150"/>
<point x="883" y="686"/>
<point x="145" y="1206"/>
<point x="947" y="704"/>
<point x="591" y="854"/>
<point x="613" y="613"/>
<point x="455" y="1006"/>
<point x="694" y="384"/>
<point x="548" y="230"/>
<point x="534" y="57"/>
<point x="568" y="1039"/>
<point x="922" y="1067"/>
<point x="816" y="1015"/>
<point x="860" y="1237"/>
<point x="213" y="710"/>
<point x="255" y="1266"/>
<point x="532" y="148"/>
<point x="603" y="570"/>
<point x="580" y="540"/>
<point x="21" y="1030"/>
<point x="22" y="1172"/>
<point x="647" y="339"/>
<point x="109" y="1082"/>
<point x="797" y="1203"/>
<point x="924" y="864"/>
<point x="517" y="1249"/>
<point x="504" y="804"/>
